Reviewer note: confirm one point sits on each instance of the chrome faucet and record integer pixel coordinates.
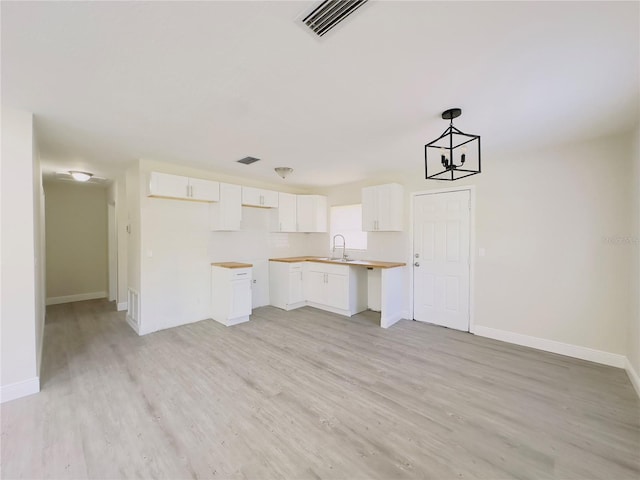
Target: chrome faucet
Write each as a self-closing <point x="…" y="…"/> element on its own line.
<point x="343" y="246"/>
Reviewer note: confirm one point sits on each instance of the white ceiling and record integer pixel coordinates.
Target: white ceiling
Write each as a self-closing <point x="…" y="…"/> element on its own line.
<point x="207" y="83"/>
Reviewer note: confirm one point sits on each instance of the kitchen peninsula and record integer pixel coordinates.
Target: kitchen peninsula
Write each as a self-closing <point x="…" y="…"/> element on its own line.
<point x="338" y="286"/>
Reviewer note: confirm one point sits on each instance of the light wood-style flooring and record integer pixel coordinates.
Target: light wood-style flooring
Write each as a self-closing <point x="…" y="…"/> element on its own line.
<point x="308" y="394"/>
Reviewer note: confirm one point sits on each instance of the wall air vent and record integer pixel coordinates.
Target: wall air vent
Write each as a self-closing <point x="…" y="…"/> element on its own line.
<point x="330" y="13"/>
<point x="248" y="160"/>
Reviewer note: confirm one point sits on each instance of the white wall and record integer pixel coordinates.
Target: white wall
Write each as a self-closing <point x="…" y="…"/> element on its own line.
<point x="21" y="312"/>
<point x="633" y="335"/>
<point x="549" y="221"/>
<point x="76" y="241"/>
<point x="177" y="249"/>
<point x="39" y="227"/>
<point x="546" y="220"/>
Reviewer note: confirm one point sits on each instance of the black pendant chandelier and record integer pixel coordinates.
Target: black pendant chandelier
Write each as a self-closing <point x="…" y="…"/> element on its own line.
<point x="454" y="154"/>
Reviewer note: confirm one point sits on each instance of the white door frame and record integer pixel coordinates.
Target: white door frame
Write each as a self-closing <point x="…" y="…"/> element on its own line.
<point x="472" y="246"/>
<point x="112" y="253"/>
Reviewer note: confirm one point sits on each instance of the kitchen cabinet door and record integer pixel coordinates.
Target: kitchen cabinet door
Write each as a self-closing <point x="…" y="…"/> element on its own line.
<point x="311" y="213"/>
<point x="390" y="207"/>
<point x="286" y="213"/>
<point x="286" y="289"/>
<point x="226" y="214"/>
<point x="314" y="286"/>
<point x="256" y="197"/>
<point x="269" y="199"/>
<point x="382" y="208"/>
<point x="204" y="190"/>
<point x="183" y="188"/>
<point x="240" y="298"/>
<point x="230" y="295"/>
<point x="296" y="292"/>
<point x="337" y="291"/>
<point x="166" y="185"/>
<point x="369" y="209"/>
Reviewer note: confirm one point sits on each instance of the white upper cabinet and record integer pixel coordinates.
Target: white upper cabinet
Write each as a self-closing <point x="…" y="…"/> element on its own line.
<point x="383" y="208"/>
<point x="166" y="185"/>
<point x="184" y="188"/>
<point x="257" y="197"/>
<point x="286" y="220"/>
<point x="311" y="213"/>
<point x="204" y="190"/>
<point x="226" y="214"/>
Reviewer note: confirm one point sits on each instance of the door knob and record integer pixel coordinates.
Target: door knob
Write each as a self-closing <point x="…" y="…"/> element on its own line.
<point x="417" y="264"/>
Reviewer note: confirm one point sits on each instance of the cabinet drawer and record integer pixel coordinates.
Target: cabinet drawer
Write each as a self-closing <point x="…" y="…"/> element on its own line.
<point x="295" y="267"/>
<point x="240" y="273"/>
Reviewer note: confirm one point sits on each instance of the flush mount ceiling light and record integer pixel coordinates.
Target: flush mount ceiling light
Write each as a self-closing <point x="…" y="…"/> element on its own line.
<point x="452" y="146"/>
<point x="283" y="171"/>
<point x="80" y="176"/>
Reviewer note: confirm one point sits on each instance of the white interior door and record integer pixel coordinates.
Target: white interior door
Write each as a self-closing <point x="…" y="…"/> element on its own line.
<point x="441" y="258"/>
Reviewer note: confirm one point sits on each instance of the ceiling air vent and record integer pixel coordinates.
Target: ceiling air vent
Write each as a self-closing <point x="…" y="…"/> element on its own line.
<point x="248" y="160"/>
<point x="330" y="13"/>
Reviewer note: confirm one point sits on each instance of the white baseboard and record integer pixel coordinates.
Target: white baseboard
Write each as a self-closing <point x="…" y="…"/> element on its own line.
<point x="388" y="321"/>
<point x="133" y="325"/>
<point x="19" y="389"/>
<point x="633" y="375"/>
<point x="584" y="353"/>
<point x="76" y="298"/>
<point x="122" y="306"/>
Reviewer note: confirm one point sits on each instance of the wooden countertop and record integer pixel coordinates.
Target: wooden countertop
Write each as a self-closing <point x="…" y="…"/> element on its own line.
<point x="356" y="263"/>
<point x="293" y="259"/>
<point x="232" y="265"/>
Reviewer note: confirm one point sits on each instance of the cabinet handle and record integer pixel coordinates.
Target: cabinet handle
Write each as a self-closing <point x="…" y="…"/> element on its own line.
<point x="280" y="226"/>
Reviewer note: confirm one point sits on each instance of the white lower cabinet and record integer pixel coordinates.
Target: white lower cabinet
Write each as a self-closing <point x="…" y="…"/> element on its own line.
<point x="337" y="288"/>
<point x="230" y="294"/>
<point x="296" y="289"/>
<point x="329" y="287"/>
<point x="315" y="290"/>
<point x="286" y="285"/>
